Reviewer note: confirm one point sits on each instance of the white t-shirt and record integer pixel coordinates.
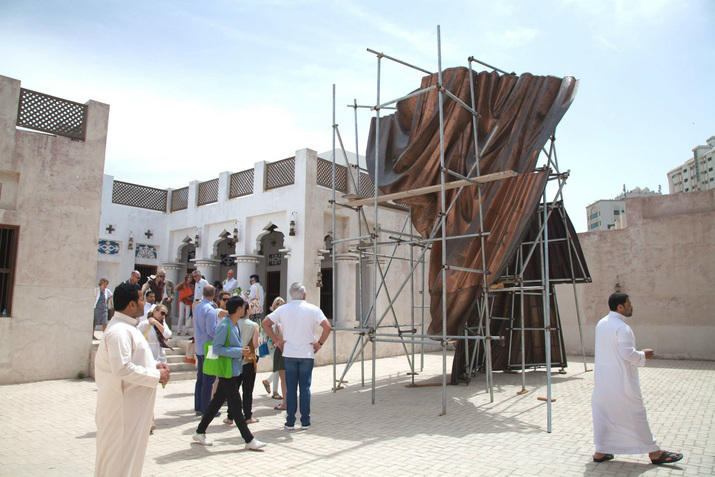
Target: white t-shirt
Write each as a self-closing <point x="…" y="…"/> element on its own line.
<point x="299" y="321"/>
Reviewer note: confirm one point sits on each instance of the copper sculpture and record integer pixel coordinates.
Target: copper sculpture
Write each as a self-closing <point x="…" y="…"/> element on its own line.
<point x="519" y="114"/>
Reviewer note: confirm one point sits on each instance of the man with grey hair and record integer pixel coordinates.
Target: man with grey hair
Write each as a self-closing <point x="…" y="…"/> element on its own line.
<point x="299" y="321"/>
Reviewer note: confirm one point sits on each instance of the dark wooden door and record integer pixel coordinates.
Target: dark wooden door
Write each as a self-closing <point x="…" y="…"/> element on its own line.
<point x="273" y="290"/>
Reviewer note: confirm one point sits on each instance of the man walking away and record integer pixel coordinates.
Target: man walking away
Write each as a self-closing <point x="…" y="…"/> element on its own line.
<point x="299" y="321"/>
<point x="205" y="319"/>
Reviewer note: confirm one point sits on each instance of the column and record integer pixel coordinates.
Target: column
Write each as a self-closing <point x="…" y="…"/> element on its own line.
<point x="173" y="273"/>
<point x="345" y="285"/>
<point x="245" y="267"/>
<point x="208" y="268"/>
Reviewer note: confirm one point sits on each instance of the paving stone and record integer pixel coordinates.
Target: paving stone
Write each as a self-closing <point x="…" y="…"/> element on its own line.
<point x="53" y="430"/>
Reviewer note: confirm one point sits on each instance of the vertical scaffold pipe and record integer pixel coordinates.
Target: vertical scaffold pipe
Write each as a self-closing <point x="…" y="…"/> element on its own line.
<point x="443" y="209"/>
<point x="374" y="229"/>
<point x="547" y="315"/>
<point x="334" y="274"/>
<point x="360" y="310"/>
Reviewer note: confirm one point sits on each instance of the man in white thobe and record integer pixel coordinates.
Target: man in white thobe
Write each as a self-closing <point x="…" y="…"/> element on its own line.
<point x="620" y="424"/>
<point x="126" y="376"/>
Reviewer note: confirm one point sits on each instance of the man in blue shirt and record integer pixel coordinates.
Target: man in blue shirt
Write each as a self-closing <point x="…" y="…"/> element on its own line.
<point x="205" y="320"/>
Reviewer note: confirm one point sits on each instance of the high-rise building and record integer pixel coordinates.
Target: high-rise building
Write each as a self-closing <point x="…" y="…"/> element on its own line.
<point x="696" y="173"/>
<point x="605" y="214"/>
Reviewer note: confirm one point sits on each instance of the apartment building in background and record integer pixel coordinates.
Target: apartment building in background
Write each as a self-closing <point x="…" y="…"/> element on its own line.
<point x="697" y="172"/>
<point x="606" y="214"/>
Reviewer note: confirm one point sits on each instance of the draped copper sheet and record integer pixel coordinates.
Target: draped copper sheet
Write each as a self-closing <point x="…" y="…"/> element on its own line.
<point x="522" y="112"/>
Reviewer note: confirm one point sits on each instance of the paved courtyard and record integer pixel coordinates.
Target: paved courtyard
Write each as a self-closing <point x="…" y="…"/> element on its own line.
<point x="48" y="427"/>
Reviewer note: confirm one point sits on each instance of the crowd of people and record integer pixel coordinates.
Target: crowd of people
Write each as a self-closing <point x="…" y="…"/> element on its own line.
<point x="228" y="327"/>
<point x="225" y="323"/>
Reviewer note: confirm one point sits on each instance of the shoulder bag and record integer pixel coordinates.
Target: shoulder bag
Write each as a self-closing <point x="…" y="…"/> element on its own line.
<point x="214" y="364"/>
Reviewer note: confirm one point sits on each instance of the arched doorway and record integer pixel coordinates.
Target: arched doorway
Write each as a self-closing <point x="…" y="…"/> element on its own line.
<point x="272" y="267"/>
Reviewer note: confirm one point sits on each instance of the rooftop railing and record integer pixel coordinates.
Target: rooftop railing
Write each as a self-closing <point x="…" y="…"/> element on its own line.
<point x="42" y="112"/>
<point x="134" y="195"/>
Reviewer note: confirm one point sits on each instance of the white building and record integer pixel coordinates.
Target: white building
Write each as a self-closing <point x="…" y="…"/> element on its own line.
<point x="274" y="220"/>
<point x="696" y="173"/>
<point x="606" y="214"/>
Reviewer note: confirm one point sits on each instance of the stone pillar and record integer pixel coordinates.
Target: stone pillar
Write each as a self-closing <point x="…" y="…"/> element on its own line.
<point x="345" y="281"/>
<point x="245" y="267"/>
<point x="208" y="268"/>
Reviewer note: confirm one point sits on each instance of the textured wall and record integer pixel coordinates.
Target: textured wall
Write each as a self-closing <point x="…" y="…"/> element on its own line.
<point x="58" y="207"/>
<point x="665" y="260"/>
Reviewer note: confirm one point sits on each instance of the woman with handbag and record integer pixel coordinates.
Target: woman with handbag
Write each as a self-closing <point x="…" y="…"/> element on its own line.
<point x="255" y="299"/>
<point x="229" y="352"/>
<point x="278" y="366"/>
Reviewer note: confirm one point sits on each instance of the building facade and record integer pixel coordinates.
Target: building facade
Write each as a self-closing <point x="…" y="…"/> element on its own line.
<point x="51" y="161"/>
<point x="274" y="220"/>
<point x="606" y="214"/>
<point x="697" y="172"/>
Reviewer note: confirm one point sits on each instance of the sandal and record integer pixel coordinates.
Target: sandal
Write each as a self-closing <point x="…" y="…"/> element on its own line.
<point x="605" y="458"/>
<point x="667" y="458"/>
<point x="267" y="385"/>
<point x="228" y="421"/>
<point x="277" y="396"/>
<point x="280" y="407"/>
<point x="251" y="420"/>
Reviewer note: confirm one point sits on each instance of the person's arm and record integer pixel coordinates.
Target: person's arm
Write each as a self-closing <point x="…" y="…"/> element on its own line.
<point x="153" y="321"/>
<point x="119" y="348"/>
<point x="145" y="286"/>
<point x="267" y="324"/>
<point x="325" y="324"/>
<point x="219" y="343"/>
<point x="627" y="347"/>
<point x="211" y="322"/>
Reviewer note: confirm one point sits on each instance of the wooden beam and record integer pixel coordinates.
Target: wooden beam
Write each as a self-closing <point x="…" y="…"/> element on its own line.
<point x="353" y="201"/>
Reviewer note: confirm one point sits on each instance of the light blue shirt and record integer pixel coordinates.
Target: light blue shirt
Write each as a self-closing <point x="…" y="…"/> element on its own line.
<point x="235" y="344"/>
<point x="205" y="318"/>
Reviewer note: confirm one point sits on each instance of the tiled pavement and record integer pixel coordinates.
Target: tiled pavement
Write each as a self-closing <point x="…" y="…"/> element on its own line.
<point x="48" y="427"/>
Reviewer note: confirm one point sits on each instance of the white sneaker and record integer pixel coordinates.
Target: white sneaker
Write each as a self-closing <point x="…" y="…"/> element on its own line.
<point x="255" y="444"/>
<point x="201" y="439"/>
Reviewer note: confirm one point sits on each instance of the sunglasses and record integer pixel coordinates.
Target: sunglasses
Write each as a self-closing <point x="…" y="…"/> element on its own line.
<point x="162" y="313"/>
<point x="223" y="299"/>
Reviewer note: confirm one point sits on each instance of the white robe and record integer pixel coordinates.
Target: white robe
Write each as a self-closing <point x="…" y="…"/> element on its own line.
<point x="620" y="424"/>
<point x="126" y="377"/>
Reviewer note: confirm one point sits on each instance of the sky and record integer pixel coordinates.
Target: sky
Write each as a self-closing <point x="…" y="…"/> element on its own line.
<point x="198" y="88"/>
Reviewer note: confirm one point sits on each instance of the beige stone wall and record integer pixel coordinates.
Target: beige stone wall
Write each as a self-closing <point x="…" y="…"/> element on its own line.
<point x="665" y="260"/>
<point x="59" y="189"/>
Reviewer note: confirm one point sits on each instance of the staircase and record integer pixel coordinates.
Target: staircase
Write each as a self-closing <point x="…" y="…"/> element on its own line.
<point x="176" y="359"/>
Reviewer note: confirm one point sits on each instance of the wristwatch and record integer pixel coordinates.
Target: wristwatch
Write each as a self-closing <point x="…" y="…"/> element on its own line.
<point x="320" y="343"/>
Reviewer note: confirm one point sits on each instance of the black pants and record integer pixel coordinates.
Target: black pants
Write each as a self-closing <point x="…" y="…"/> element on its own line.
<point x="246" y="380"/>
<point x="227" y="390"/>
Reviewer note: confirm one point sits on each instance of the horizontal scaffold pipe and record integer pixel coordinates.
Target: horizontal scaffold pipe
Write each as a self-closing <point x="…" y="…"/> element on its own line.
<point x="497" y="176"/>
<point x="404" y="63"/>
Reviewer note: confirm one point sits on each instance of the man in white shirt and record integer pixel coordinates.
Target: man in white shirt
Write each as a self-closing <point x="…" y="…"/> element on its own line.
<point x="149" y="300"/>
<point x="230" y="283"/>
<point x="620" y="424"/>
<point x="199" y="284"/>
<point x="299" y="321"/>
<point x="126" y="376"/>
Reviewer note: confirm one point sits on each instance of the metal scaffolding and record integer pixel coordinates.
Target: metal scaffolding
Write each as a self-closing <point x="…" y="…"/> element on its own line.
<point x="371" y="248"/>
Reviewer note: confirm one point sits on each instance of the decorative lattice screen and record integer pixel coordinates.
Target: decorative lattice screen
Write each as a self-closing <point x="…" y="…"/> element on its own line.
<point x="180" y="199"/>
<point x="208" y="192"/>
<point x="46" y="113"/>
<point x="325" y="175"/>
<point x="241" y="184"/>
<point x="134" y="195"/>
<point x="280" y="173"/>
<point x="366" y="186"/>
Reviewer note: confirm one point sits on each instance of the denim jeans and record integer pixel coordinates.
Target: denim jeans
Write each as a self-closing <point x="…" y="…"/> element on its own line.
<point x="299" y="372"/>
<point x="204" y="384"/>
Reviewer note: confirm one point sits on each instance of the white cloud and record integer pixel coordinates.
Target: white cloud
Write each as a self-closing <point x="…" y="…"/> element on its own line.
<point x="518" y="38"/>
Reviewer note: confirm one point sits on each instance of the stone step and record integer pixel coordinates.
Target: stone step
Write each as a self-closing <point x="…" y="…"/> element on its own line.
<point x="176" y="367"/>
<point x="175" y="358"/>
<point x="182" y="375"/>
